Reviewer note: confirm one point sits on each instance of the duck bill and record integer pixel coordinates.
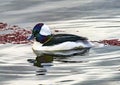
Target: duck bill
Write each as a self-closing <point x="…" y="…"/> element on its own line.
<point x="31" y="37"/>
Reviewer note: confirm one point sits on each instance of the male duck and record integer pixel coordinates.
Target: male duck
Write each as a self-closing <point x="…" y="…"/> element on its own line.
<point x="60" y="44"/>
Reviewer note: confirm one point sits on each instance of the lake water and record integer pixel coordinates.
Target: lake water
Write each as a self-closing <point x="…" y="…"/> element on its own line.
<point x="95" y="19"/>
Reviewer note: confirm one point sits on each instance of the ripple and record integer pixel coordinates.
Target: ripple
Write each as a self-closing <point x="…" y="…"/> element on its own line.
<point x="81" y="17"/>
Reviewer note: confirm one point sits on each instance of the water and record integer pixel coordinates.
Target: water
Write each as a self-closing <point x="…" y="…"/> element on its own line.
<point x="95" y="19"/>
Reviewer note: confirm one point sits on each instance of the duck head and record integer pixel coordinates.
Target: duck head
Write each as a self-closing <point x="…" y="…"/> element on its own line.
<point x="41" y="33"/>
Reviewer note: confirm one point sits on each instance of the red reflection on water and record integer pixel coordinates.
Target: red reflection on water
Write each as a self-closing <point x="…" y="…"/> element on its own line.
<point x="17" y="35"/>
<point x="13" y="34"/>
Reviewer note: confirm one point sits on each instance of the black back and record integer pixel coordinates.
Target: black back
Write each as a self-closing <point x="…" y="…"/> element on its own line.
<point x="60" y="38"/>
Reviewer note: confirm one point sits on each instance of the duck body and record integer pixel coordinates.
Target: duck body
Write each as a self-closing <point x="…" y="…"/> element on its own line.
<point x="58" y="44"/>
<point x="63" y="45"/>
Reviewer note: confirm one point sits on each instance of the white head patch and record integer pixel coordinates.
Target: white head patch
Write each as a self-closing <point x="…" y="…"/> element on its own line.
<point x="45" y="30"/>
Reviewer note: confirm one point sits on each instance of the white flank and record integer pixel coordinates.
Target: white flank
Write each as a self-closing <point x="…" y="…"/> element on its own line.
<point x="63" y="46"/>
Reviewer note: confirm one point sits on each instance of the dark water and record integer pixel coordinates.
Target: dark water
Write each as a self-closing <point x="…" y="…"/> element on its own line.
<point x="95" y="19"/>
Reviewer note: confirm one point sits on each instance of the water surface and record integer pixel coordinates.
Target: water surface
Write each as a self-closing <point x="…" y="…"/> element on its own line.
<point x="95" y="19"/>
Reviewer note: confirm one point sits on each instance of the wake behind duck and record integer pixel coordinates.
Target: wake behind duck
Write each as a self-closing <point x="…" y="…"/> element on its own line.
<point x="59" y="45"/>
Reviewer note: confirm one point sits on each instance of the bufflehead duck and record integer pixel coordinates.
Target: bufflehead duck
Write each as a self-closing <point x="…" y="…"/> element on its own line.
<point x="57" y="44"/>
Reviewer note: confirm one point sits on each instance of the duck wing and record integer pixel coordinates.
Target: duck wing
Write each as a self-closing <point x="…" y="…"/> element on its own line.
<point x="61" y="38"/>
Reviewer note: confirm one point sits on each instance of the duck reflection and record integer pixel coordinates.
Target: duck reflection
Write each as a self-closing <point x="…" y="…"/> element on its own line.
<point x="46" y="60"/>
<point x="43" y="60"/>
